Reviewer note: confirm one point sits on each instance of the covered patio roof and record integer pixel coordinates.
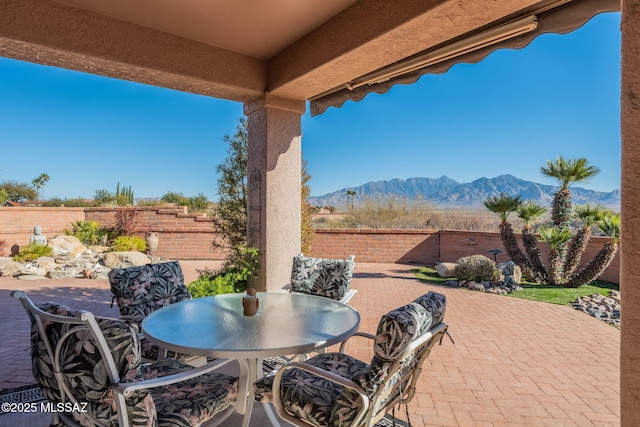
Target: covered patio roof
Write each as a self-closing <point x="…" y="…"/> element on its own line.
<point x="327" y="51"/>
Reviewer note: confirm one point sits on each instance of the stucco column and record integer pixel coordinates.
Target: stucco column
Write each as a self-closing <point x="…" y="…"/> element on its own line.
<point x="274" y="169"/>
<point x="630" y="211"/>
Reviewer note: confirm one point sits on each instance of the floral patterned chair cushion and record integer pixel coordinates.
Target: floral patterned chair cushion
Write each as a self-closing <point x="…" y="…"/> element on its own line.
<point x="86" y="377"/>
<point x="142" y="290"/>
<point x="320" y="402"/>
<point x="321" y="276"/>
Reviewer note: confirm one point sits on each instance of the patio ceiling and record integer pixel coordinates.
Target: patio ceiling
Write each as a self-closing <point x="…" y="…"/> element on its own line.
<point x="296" y="49"/>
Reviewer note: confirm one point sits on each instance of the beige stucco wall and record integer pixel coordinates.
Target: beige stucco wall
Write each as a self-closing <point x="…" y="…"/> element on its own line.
<point x="630" y="211"/>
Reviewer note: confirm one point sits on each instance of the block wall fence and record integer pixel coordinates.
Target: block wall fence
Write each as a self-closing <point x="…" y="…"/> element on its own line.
<point x="190" y="236"/>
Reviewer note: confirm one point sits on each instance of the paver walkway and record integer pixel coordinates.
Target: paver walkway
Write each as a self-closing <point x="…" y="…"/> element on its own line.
<point x="514" y="362"/>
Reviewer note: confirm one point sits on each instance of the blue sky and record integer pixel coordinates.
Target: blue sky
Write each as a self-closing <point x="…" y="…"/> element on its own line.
<point x="509" y="113"/>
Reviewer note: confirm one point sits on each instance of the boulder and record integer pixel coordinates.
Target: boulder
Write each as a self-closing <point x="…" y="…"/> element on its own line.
<point x="46" y="262"/>
<point x="9" y="267"/>
<point x="446" y="269"/>
<point x="67" y="246"/>
<point x="64" y="274"/>
<point x="31" y="269"/>
<point x="125" y="259"/>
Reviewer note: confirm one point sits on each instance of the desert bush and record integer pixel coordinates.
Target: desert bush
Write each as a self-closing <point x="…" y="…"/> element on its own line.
<point x="32" y="252"/>
<point x="56" y="202"/>
<point x="230" y="279"/>
<point x="463" y="220"/>
<point x="126" y="222"/>
<point x="476" y="267"/>
<point x="389" y="213"/>
<point x="211" y="283"/>
<point x="88" y="232"/>
<point x="129" y="243"/>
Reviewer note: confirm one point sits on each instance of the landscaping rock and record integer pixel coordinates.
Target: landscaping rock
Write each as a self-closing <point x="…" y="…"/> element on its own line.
<point x="68" y="246"/>
<point x="446" y="269"/>
<point x="32" y="269"/>
<point x="10" y="268"/>
<point x="453" y="283"/>
<point x="603" y="308"/>
<point x="125" y="259"/>
<point x="478" y="287"/>
<point x="47" y="262"/>
<point x="64" y="274"/>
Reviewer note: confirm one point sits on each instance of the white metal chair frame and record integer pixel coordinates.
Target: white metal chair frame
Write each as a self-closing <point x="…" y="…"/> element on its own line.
<point x="374" y="407"/>
<point x="86" y="321"/>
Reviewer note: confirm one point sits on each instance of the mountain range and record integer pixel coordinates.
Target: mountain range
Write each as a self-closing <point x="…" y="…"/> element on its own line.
<point x="446" y="192"/>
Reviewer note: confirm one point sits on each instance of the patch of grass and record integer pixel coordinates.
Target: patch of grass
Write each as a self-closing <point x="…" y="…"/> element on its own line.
<point x="532" y="291"/>
<point x="430" y="275"/>
<point x="563" y="296"/>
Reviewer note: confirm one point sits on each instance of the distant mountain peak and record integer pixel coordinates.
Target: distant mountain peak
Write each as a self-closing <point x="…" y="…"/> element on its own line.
<point x="446" y="192"/>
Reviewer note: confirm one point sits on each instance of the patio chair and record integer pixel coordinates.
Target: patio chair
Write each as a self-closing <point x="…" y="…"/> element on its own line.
<point x="334" y="389"/>
<point x="322" y="276"/>
<point x="143" y="289"/>
<point x="89" y="368"/>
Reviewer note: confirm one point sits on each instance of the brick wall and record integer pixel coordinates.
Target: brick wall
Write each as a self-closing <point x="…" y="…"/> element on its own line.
<point x="16" y="223"/>
<point x="181" y="235"/>
<point x="190" y="236"/>
<point x="402" y="246"/>
<point x="428" y="246"/>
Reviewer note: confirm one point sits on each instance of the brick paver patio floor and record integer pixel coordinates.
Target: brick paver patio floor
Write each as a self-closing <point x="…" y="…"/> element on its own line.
<point x="514" y="362"/>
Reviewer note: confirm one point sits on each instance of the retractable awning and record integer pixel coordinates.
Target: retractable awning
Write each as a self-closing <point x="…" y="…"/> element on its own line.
<point x="513" y="33"/>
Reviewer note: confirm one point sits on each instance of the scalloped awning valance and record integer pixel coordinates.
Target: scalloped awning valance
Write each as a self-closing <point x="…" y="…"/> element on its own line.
<point x="515" y="34"/>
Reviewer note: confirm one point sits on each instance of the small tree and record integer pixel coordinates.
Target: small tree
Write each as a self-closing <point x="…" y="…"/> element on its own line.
<point x="18" y="191"/>
<point x="307" y="232"/>
<point x="230" y="213"/>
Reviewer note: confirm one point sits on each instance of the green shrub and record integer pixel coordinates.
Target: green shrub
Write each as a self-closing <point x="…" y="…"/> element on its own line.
<point x="129" y="243"/>
<point x="477" y="268"/>
<point x="223" y="282"/>
<point x="231" y="279"/>
<point x="88" y="232"/>
<point x="32" y="252"/>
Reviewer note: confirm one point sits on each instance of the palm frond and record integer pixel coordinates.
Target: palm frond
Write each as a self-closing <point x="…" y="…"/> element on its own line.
<point x="609" y="224"/>
<point x="530" y="211"/>
<point x="503" y="205"/>
<point x="554" y="236"/>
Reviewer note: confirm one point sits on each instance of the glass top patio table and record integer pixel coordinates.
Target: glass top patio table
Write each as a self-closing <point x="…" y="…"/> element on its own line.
<point x="285" y="324"/>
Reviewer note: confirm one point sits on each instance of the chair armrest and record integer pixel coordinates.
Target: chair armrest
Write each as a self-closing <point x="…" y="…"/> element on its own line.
<point x="357" y="334"/>
<point x="127" y="388"/>
<point x="329" y="376"/>
<point x="285" y="288"/>
<point x="350" y="293"/>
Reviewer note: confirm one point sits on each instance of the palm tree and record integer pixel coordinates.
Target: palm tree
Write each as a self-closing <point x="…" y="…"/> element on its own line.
<point x="556" y="237"/>
<point x="37" y="182"/>
<point x="351" y="194"/>
<point x="589" y="215"/>
<point x="566" y="172"/>
<point x="529" y="212"/>
<point x="609" y="224"/>
<point x="503" y="205"/>
<point x="44" y="178"/>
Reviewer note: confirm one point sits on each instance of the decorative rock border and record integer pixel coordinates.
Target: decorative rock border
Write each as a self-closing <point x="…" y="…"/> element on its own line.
<point x="601" y="307"/>
<point x="494" y="288"/>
